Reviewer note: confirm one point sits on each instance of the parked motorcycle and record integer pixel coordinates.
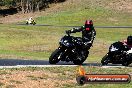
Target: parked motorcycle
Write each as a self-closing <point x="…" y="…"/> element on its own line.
<point x="118" y="54"/>
<point x="70" y="49"/>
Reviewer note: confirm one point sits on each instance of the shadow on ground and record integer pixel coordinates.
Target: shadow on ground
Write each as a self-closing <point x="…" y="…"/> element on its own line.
<point x="14" y="62"/>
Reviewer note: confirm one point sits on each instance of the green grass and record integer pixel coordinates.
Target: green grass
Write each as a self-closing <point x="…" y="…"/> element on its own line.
<point x="27" y="41"/>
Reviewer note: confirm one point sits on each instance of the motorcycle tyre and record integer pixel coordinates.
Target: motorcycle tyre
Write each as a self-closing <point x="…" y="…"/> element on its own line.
<point x="53" y="59"/>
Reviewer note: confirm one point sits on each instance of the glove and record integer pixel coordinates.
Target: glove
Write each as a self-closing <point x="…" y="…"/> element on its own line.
<point x="73" y="29"/>
<point x="126" y="47"/>
<point x="87" y="44"/>
<point x="68" y="32"/>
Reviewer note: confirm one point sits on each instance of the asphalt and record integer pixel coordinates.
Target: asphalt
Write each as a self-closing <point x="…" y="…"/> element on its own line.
<point x="77" y="26"/>
<point x="17" y="63"/>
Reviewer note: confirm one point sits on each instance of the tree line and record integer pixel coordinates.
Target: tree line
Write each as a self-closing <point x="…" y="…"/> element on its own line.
<point x="26" y="6"/>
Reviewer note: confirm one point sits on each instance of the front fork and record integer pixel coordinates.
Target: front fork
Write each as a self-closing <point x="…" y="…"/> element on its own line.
<point x="68" y="53"/>
<point x="64" y="53"/>
<point x="108" y="57"/>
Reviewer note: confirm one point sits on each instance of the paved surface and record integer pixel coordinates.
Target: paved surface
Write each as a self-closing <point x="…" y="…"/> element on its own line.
<point x="16" y="63"/>
<point x="78" y="26"/>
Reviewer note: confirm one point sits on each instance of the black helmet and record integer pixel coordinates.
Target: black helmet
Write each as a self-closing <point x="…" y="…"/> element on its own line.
<point x="129" y="40"/>
<point x="88" y="24"/>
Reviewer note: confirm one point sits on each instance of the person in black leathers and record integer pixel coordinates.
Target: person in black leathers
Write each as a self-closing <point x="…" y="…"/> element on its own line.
<point x="88" y="33"/>
<point x="128" y="44"/>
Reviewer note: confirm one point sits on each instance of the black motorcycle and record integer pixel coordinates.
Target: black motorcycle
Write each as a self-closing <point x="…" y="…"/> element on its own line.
<point x="117" y="55"/>
<point x="70" y="49"/>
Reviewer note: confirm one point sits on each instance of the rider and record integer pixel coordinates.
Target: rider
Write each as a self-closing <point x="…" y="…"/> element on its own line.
<point x="88" y="33"/>
<point x="128" y="43"/>
<point x="30" y="20"/>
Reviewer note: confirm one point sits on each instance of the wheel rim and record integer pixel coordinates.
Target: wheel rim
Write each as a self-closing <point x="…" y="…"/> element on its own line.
<point x="56" y="58"/>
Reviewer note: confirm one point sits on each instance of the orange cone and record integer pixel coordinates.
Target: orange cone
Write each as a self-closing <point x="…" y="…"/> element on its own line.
<point x="81" y="70"/>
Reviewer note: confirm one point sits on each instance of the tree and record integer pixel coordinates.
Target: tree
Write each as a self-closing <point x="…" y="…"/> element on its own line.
<point x="27" y="6"/>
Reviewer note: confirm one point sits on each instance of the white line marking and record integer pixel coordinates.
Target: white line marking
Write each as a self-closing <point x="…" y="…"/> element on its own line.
<point x="24" y="66"/>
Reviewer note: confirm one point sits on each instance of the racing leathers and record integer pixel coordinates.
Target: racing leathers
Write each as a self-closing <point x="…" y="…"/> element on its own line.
<point x="88" y="35"/>
<point x="128" y="46"/>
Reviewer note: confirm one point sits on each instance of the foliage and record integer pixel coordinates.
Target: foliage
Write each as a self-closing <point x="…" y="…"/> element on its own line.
<point x="27" y="6"/>
<point x="7" y="2"/>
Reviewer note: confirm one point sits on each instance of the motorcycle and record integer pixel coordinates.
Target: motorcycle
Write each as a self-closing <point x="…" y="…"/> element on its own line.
<point x="31" y="23"/>
<point x="118" y="54"/>
<point x="70" y="49"/>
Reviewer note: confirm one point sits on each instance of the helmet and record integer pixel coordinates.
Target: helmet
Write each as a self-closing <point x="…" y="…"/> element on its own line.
<point x="30" y="18"/>
<point x="129" y="40"/>
<point x="88" y="24"/>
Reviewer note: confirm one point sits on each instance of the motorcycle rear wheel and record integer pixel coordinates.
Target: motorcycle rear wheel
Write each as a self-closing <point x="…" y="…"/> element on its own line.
<point x="80" y="59"/>
<point x="53" y="59"/>
<point x="126" y="63"/>
<point x="78" y="62"/>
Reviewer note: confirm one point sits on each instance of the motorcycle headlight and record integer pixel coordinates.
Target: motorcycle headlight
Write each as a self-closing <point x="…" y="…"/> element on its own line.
<point x="66" y="43"/>
<point x="61" y="41"/>
<point x="113" y="49"/>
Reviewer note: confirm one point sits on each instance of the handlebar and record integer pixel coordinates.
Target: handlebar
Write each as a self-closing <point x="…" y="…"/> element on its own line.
<point x="68" y="32"/>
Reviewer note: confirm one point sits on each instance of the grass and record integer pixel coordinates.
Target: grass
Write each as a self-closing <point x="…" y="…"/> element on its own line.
<point x="32" y="78"/>
<point x="10" y="86"/>
<point x="37" y="78"/>
<point x="1" y="84"/>
<point x="14" y="81"/>
<point x="4" y="73"/>
<point x="26" y="42"/>
<point x="64" y="77"/>
<point x="94" y="70"/>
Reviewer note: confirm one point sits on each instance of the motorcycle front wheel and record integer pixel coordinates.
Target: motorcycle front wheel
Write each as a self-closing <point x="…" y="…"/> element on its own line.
<point x="78" y="62"/>
<point x="55" y="57"/>
<point x="104" y="60"/>
<point x="27" y="23"/>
